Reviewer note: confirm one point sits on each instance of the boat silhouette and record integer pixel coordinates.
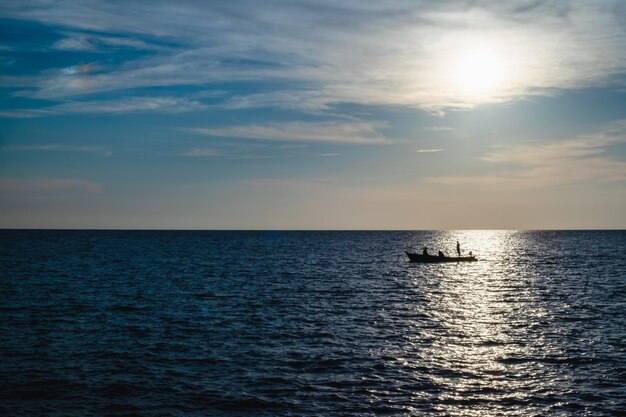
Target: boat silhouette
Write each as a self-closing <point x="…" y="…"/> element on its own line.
<point x="433" y="259"/>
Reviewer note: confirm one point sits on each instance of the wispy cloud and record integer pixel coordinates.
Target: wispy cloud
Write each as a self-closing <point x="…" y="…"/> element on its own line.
<point x="356" y="132"/>
<point x="429" y="150"/>
<point x="329" y="48"/>
<point x="201" y="152"/>
<point x="573" y="161"/>
<point x="20" y="114"/>
<point x="76" y="41"/>
<point x="133" y="104"/>
<point x="237" y="154"/>
<point x="439" y="128"/>
<point x="303" y="100"/>
<point x="50" y="185"/>
<point x="56" y="147"/>
<point x="120" y="106"/>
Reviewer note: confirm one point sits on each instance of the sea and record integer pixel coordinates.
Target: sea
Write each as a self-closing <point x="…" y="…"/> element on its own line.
<point x="311" y="323"/>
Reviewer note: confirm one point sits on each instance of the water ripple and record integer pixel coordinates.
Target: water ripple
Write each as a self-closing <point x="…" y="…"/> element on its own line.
<point x="311" y="323"/>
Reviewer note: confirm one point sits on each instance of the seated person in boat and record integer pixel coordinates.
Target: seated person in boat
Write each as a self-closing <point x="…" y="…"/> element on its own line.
<point x="425" y="251"/>
<point x="441" y="254"/>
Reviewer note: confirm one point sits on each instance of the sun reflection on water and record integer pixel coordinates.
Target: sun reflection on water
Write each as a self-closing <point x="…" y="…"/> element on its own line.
<point x="485" y="310"/>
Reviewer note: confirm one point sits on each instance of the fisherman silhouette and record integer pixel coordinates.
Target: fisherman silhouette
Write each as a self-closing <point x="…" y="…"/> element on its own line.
<point x="458" y="249"/>
<point x="425" y="251"/>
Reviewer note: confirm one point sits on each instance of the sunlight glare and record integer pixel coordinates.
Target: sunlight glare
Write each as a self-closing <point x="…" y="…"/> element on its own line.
<point x="478" y="72"/>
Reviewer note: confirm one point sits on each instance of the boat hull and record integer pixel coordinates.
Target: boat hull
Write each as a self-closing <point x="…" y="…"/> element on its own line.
<point x="431" y="259"/>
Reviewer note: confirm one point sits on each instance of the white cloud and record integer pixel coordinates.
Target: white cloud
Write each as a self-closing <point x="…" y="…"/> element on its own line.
<point x="18" y="114"/>
<point x="439" y="128"/>
<point x="201" y="152"/>
<point x="56" y="147"/>
<point x="396" y="53"/>
<point x="429" y="150"/>
<point x="76" y="41"/>
<point x="303" y="100"/>
<point x="133" y="104"/>
<point x="208" y="94"/>
<point x="355" y="132"/>
<point x="125" y="105"/>
<point x="574" y="161"/>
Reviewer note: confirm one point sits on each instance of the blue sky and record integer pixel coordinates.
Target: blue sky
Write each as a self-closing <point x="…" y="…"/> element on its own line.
<point x="313" y="115"/>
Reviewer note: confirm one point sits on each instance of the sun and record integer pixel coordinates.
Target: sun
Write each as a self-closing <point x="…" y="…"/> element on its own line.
<point x="478" y="73"/>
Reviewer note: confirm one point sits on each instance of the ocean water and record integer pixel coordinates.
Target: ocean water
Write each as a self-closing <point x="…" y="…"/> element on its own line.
<point x="161" y="323"/>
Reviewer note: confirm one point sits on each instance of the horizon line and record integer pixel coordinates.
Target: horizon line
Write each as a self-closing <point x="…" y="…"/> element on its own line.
<point x="304" y="230"/>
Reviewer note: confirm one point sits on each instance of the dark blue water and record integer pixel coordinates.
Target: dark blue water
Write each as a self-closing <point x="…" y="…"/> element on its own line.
<point x="311" y="324"/>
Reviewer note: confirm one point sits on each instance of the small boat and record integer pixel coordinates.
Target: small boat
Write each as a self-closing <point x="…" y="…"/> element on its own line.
<point x="433" y="259"/>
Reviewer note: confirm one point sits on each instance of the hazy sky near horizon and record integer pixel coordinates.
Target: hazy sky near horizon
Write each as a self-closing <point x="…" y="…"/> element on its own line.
<point x="460" y="114"/>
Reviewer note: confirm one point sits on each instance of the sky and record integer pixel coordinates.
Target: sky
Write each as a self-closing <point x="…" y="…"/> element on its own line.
<point x="399" y="114"/>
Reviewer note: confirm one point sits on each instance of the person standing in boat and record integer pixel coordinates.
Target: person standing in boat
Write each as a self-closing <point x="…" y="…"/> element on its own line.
<point x="458" y="249"/>
<point x="425" y="251"/>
